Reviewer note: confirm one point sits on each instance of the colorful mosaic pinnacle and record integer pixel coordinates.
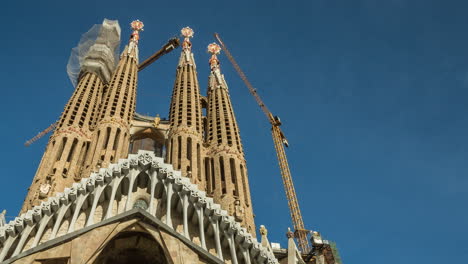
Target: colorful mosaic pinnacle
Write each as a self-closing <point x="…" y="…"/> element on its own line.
<point x="214" y="49"/>
<point x="187" y="33"/>
<point x="137" y="26"/>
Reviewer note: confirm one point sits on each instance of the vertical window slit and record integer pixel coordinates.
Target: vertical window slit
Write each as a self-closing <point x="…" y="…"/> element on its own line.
<point x="223" y="178"/>
<point x="171" y="150"/>
<point x="179" y="154"/>
<point x="207" y="176"/>
<point x="72" y="149"/>
<point x="62" y="146"/>
<point x="106" y="142"/>
<point x="213" y="177"/>
<point x="232" y="167"/>
<point x="198" y="163"/>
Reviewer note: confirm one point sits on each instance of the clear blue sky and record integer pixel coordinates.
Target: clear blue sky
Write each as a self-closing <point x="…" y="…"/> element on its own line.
<point x="373" y="96"/>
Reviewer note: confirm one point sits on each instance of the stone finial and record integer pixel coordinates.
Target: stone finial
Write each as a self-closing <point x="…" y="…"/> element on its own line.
<point x="264" y="239"/>
<point x="316" y="238"/>
<point x="294" y="256"/>
<point x="156" y="121"/>
<point x="137" y="26"/>
<point x="188" y="34"/>
<point x="214" y="49"/>
<point x="289" y="234"/>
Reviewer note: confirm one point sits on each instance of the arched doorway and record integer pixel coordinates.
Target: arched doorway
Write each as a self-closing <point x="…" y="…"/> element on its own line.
<point x="132" y="247"/>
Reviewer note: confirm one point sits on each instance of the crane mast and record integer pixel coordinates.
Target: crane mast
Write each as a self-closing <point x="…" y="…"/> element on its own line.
<point x="280" y="141"/>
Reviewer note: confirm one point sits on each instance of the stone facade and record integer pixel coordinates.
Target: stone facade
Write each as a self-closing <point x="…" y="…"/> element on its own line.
<point x="80" y="224"/>
<point x="99" y="131"/>
<point x="144" y="188"/>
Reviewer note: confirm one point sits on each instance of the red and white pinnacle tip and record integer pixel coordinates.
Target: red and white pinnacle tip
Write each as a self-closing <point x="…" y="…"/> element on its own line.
<point x="187" y="33"/>
<point x="214" y="49"/>
<point x="137" y="26"/>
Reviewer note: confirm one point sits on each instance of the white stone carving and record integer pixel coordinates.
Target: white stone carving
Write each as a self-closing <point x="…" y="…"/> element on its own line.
<point x="90" y="193"/>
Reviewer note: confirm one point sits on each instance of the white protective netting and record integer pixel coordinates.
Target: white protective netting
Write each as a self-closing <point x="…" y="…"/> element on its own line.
<point x="98" y="51"/>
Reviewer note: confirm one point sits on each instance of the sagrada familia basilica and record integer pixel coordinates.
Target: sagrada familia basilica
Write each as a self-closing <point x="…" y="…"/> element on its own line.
<point x="115" y="186"/>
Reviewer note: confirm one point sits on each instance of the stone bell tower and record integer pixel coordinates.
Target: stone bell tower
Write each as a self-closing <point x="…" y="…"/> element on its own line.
<point x="66" y="150"/>
<point x="228" y="179"/>
<point x="111" y="136"/>
<point x="185" y="141"/>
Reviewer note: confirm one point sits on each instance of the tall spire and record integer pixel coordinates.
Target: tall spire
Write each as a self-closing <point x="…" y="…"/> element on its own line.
<point x="228" y="181"/>
<point x="62" y="161"/>
<point x="226" y="132"/>
<point x="112" y="134"/>
<point x="185" y="145"/>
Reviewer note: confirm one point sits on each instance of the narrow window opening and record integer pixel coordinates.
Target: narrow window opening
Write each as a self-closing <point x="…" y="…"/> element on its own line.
<point x="116" y="139"/>
<point x="232" y="167"/>
<point x="207" y="175"/>
<point x="106" y="142"/>
<point x="179" y="154"/>
<point x="62" y="146"/>
<point x="198" y="163"/>
<point x="223" y="177"/>
<point x="72" y="150"/>
<point x="189" y="149"/>
<point x="213" y="177"/>
<point x="170" y="151"/>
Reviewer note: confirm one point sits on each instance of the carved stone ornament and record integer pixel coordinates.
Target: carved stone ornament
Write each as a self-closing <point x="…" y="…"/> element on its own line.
<point x="263" y="230"/>
<point x="32" y="225"/>
<point x="239" y="211"/>
<point x="156" y="121"/>
<point x="44" y="190"/>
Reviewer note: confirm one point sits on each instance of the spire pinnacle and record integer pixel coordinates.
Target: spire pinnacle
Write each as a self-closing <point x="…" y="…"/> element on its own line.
<point x="186" y="57"/>
<point x="137" y="26"/>
<point x="214" y="49"/>
<point x="188" y="34"/>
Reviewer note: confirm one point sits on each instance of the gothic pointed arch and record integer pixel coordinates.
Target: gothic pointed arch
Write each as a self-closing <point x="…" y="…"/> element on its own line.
<point x="132" y="247"/>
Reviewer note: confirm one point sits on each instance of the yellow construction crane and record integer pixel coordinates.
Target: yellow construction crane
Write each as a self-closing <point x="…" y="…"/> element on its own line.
<point x="280" y="141"/>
